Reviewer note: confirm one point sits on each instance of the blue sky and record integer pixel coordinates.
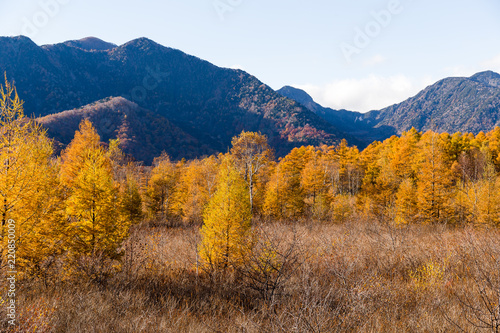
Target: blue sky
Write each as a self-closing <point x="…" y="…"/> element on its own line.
<point x="359" y="55"/>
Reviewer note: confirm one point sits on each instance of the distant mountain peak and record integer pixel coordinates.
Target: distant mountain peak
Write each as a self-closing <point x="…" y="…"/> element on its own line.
<point x="90" y="44"/>
<point x="489" y="78"/>
<point x="300" y="94"/>
<point x="18" y="41"/>
<point x="142" y="42"/>
<point x="465" y="104"/>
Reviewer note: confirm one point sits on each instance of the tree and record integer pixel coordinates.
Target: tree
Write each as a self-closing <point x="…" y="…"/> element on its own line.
<point x="494" y="145"/>
<point x="314" y="181"/>
<point x="131" y="201"/>
<point x="380" y="182"/>
<point x="226" y="233"/>
<point x="482" y="198"/>
<point x="284" y="194"/>
<point x="403" y="155"/>
<point x="86" y="139"/>
<point x="96" y="229"/>
<point x="161" y="187"/>
<point x="406" y="203"/>
<point x="30" y="197"/>
<point x="196" y="186"/>
<point x="251" y="153"/>
<point x="434" y="185"/>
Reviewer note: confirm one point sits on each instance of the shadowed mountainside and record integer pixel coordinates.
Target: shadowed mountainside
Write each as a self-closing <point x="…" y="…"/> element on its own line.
<point x="143" y="134"/>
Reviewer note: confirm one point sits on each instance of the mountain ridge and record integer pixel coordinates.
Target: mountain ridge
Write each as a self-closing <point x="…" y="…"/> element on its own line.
<point x="211" y="104"/>
<point x="453" y="104"/>
<point x="142" y="133"/>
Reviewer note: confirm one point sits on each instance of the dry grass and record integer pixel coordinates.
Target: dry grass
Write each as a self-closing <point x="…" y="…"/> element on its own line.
<point x="357" y="276"/>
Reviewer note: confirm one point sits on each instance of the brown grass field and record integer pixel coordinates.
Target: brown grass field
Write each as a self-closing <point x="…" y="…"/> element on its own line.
<point x="359" y="276"/>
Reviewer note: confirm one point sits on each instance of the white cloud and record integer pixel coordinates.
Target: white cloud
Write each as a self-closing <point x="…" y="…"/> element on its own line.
<point x="375" y="92"/>
<point x="370" y="93"/>
<point x="493" y="64"/>
<point x="375" y="60"/>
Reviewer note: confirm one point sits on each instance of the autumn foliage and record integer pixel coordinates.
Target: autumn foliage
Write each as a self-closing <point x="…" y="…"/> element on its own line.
<point x="226" y="238"/>
<point x="94" y="214"/>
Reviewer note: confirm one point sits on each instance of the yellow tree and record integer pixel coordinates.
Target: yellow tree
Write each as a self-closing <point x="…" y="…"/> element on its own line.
<point x="161" y="187"/>
<point x="368" y="161"/>
<point x="274" y="201"/>
<point x="434" y="185"/>
<point x="494" y="145"/>
<point x="131" y="200"/>
<point x="350" y="175"/>
<point x="86" y="139"/>
<point x="316" y="186"/>
<point x="251" y="153"/>
<point x="380" y="182"/>
<point x="406" y="202"/>
<point x="96" y="228"/>
<point x="403" y="158"/>
<point x="483" y="194"/>
<point x="127" y="176"/>
<point x="197" y="184"/>
<point x="30" y="197"/>
<point x="284" y="194"/>
<point x="226" y="233"/>
<point x="488" y="211"/>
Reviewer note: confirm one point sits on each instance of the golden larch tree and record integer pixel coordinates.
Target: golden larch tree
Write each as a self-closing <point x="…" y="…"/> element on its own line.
<point x="284" y="194"/>
<point x="161" y="187"/>
<point x="406" y="202"/>
<point x="226" y="230"/>
<point x="30" y="196"/>
<point x="434" y="185"/>
<point x="196" y="186"/>
<point x="96" y="229"/>
<point x="251" y="153"/>
<point x="317" y="188"/>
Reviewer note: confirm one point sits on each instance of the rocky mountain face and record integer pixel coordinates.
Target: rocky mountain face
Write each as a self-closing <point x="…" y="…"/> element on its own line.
<point x="208" y="103"/>
<point x="457" y="104"/>
<point x="156" y="98"/>
<point x="142" y="133"/>
<point x="362" y="126"/>
<point x="450" y="105"/>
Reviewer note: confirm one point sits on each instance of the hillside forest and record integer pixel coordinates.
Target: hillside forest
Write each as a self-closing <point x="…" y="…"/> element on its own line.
<point x="401" y="236"/>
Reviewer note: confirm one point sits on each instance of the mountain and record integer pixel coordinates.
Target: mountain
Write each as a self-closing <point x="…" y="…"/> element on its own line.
<point x="362" y="126"/>
<point x="489" y="78"/>
<point x="91" y="44"/>
<point x="451" y="105"/>
<point x="456" y="104"/>
<point x="203" y="106"/>
<point x="142" y="133"/>
<point x="301" y="97"/>
<point x="208" y="103"/>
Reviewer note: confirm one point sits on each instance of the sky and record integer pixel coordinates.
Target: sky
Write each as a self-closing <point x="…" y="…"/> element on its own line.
<point x="358" y="55"/>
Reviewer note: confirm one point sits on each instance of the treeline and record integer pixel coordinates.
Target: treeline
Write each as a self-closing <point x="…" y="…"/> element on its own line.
<point x="74" y="212"/>
<point x="414" y="178"/>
